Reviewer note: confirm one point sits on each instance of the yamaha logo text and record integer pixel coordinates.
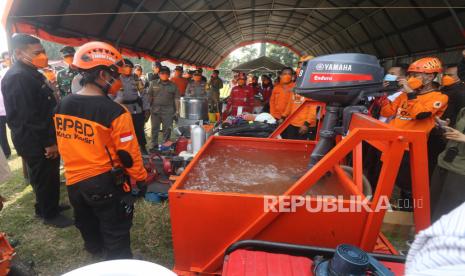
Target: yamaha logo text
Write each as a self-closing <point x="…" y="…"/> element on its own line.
<point x="333" y="67"/>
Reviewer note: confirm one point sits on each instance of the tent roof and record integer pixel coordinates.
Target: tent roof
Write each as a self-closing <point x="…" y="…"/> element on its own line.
<point x="263" y="63"/>
<point x="205" y="32"/>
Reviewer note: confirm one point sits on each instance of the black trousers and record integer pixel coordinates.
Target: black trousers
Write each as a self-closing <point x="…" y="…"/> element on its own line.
<point x="139" y="123"/>
<point x="102" y="216"/>
<point x="44" y="176"/>
<point x="447" y="192"/>
<point x="3" y="137"/>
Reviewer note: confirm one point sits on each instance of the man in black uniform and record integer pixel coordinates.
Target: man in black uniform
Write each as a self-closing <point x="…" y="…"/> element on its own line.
<point x="29" y="104"/>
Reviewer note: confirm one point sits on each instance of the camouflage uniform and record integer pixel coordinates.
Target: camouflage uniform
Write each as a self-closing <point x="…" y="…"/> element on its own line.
<point x="64" y="79"/>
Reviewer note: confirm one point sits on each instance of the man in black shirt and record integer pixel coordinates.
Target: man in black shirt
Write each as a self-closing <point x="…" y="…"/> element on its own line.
<point x="29" y="104"/>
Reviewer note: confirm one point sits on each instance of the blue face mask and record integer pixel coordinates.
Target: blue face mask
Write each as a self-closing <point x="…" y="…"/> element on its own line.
<point x="390" y="77"/>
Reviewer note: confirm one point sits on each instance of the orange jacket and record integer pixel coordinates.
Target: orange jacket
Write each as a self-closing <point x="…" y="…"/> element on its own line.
<point x="87" y="125"/>
<point x="306" y="114"/>
<point x="415" y="112"/>
<point x="280" y="98"/>
<point x="181" y="83"/>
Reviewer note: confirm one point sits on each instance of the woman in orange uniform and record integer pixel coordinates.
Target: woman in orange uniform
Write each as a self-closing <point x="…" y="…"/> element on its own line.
<point x="281" y="94"/>
<point x="301" y="125"/>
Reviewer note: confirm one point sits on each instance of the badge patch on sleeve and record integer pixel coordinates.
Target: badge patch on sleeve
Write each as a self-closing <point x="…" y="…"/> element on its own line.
<point x="437" y="104"/>
<point x="126" y="137"/>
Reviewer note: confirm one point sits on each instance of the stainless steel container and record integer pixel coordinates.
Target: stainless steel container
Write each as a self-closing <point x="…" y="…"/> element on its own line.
<point x="198" y="137"/>
<point x="194" y="108"/>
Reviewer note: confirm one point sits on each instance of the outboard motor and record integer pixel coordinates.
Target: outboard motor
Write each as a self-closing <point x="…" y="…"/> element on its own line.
<point x="342" y="81"/>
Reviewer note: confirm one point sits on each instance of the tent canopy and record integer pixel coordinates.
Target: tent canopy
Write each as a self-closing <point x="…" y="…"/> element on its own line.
<point x="204" y="32"/>
<point x="261" y="64"/>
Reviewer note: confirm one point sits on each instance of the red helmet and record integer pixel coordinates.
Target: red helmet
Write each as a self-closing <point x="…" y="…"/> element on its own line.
<point x="426" y="65"/>
<point x="93" y="54"/>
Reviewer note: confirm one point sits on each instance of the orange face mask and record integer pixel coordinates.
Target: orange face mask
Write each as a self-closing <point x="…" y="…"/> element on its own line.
<point x="447" y="80"/>
<point x="50" y="76"/>
<point x="197" y="78"/>
<point x="286" y="79"/>
<point x="39" y="61"/>
<point x="7" y="62"/>
<point x="241" y="82"/>
<point x="414" y="83"/>
<point x="127" y="71"/>
<point x="68" y="60"/>
<point x="164" y="77"/>
<point x="115" y="87"/>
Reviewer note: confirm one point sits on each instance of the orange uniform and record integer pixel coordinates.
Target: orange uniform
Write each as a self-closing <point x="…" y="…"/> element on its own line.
<point x="86" y="126"/>
<point x="280" y="98"/>
<point x="181" y="83"/>
<point x="414" y="111"/>
<point x="307" y="114"/>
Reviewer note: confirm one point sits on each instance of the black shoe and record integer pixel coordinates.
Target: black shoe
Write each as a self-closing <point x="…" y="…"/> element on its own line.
<point x="59" y="221"/>
<point x="63" y="207"/>
<point x="94" y="250"/>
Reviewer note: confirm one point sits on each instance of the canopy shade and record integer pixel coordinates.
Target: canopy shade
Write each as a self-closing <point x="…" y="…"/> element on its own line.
<point x="204" y="32"/>
<point x="261" y="64"/>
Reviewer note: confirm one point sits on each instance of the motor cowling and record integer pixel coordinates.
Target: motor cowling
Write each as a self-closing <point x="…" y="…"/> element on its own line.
<point x="340" y="78"/>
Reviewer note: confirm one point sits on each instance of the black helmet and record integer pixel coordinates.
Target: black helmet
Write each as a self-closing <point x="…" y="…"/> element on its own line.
<point x="128" y="62"/>
<point x="68" y="51"/>
<point x="165" y="69"/>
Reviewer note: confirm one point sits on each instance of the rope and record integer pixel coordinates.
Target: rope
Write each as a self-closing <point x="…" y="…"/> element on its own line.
<point x="239" y="10"/>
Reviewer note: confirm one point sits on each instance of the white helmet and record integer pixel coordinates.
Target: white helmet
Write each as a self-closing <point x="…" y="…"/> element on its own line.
<point x="265" y="118"/>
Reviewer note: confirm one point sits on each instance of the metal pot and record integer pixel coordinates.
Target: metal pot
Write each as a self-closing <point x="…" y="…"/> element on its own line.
<point x="194" y="108"/>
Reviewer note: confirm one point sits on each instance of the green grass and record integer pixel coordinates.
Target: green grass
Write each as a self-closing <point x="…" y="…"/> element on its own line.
<point x="55" y="251"/>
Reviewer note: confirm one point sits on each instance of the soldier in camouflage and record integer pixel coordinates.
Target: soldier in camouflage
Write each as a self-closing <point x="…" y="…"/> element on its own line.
<point x="65" y="77"/>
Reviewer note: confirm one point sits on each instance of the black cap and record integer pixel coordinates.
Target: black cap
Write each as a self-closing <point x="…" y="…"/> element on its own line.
<point x="68" y="51"/>
<point x="156" y="64"/>
<point x="190" y="72"/>
<point x="179" y="68"/>
<point x="197" y="73"/>
<point x="128" y="62"/>
<point x="165" y="69"/>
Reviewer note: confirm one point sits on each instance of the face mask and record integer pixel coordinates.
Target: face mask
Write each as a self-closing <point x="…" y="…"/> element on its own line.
<point x="39" y="61"/>
<point x="50" y="76"/>
<point x="390" y="77"/>
<point x="113" y="86"/>
<point x="414" y="83"/>
<point x="241" y="82"/>
<point x="286" y="79"/>
<point x="164" y="77"/>
<point x="447" y="80"/>
<point x="7" y="62"/>
<point x="68" y="60"/>
<point x="197" y="78"/>
<point x="297" y="71"/>
<point x="127" y="71"/>
<point x="177" y="74"/>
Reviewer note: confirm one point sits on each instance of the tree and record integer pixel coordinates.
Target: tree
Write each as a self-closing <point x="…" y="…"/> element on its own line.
<point x="281" y="54"/>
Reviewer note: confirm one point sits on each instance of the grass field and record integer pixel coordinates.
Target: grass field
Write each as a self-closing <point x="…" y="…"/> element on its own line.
<point x="55" y="251"/>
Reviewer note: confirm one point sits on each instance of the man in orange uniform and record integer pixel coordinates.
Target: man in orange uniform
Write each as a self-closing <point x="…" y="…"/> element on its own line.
<point x="241" y="98"/>
<point x="281" y="94"/>
<point x="301" y="124"/>
<point x="179" y="80"/>
<point x="415" y="109"/>
<point x="98" y="144"/>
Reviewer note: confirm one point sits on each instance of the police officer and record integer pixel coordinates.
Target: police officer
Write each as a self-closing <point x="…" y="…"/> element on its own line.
<point x="197" y="87"/>
<point x="29" y="104"/>
<point x="132" y="95"/>
<point x="65" y="77"/>
<point x="164" y="100"/>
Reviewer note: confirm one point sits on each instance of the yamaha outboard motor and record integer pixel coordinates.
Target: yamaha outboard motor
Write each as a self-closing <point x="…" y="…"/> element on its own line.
<point x="342" y="81"/>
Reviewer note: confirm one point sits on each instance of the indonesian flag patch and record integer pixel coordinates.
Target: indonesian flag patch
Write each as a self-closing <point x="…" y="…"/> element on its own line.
<point x="126" y="137"/>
